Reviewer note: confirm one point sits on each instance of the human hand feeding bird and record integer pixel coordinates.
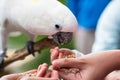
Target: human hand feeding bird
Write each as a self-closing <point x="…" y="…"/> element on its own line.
<point x="35" y="17"/>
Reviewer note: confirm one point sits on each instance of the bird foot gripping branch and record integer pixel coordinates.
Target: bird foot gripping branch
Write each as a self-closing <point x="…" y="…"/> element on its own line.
<point x="2" y="56"/>
<point x="30" y="47"/>
<point x="22" y="53"/>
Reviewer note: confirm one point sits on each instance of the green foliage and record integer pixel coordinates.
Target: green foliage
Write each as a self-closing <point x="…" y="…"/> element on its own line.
<point x="43" y="57"/>
<point x="63" y="1"/>
<point x="17" y="41"/>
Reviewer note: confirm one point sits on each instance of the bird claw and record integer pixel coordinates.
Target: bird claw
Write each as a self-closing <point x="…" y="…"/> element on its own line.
<point x="30" y="47"/>
<point x="2" y="55"/>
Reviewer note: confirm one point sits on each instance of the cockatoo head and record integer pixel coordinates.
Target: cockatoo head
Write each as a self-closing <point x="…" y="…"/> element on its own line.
<point x="58" y="21"/>
<point x="64" y="24"/>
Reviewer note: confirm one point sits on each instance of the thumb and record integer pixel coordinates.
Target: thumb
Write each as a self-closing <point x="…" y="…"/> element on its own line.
<point x="68" y="63"/>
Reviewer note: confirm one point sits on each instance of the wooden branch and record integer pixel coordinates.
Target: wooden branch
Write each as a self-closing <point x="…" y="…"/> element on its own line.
<point x="22" y="53"/>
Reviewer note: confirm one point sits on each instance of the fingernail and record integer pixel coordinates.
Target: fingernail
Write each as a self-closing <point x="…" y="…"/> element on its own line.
<point x="56" y="47"/>
<point x="55" y="52"/>
<point x="54" y="61"/>
<point x="51" y="50"/>
<point x="39" y="68"/>
<point x="50" y="68"/>
<point x="44" y="64"/>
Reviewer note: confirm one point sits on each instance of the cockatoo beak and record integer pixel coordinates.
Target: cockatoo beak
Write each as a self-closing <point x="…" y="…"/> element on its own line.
<point x="62" y="38"/>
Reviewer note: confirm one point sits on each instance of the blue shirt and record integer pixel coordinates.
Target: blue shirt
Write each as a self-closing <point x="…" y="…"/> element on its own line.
<point x="87" y="12"/>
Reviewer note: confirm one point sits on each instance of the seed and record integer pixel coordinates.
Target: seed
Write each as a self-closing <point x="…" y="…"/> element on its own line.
<point x="71" y="70"/>
<point x="69" y="56"/>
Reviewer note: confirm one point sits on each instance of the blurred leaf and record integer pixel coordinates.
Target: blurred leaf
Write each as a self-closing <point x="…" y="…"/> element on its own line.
<point x="63" y="1"/>
<point x="43" y="57"/>
<point x="18" y="41"/>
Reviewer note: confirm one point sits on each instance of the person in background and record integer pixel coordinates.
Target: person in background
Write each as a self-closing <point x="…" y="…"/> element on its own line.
<point x="107" y="36"/>
<point x="87" y="13"/>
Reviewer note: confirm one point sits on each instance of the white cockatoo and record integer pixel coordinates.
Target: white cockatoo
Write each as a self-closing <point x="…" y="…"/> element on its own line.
<point x="35" y="17"/>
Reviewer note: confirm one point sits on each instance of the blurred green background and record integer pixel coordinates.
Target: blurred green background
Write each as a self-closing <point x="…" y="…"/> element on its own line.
<point x="63" y="1"/>
<point x="19" y="42"/>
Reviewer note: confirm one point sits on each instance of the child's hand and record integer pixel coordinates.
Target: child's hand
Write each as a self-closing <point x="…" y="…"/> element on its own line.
<point x="42" y="74"/>
<point x="39" y="74"/>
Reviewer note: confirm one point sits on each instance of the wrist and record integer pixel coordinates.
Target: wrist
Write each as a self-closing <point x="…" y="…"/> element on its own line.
<point x="110" y="61"/>
<point x="117" y="60"/>
<point x="103" y="63"/>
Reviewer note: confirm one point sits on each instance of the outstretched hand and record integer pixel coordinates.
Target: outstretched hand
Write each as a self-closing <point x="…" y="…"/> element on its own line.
<point x="91" y="67"/>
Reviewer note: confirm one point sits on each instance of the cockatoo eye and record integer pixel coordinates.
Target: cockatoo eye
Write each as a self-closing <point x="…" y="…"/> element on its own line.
<point x="58" y="27"/>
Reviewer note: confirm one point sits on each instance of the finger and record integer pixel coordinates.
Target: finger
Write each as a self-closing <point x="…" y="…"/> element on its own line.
<point x="48" y="75"/>
<point x="60" y="55"/>
<point x="65" y="51"/>
<point x="67" y="76"/>
<point x="56" y="48"/>
<point x="39" y="78"/>
<point x="11" y="76"/>
<point x="39" y="68"/>
<point x="16" y="75"/>
<point x="42" y="71"/>
<point x="50" y="67"/>
<point x="54" y="54"/>
<point x="30" y="72"/>
<point x="68" y="63"/>
<point x="55" y="74"/>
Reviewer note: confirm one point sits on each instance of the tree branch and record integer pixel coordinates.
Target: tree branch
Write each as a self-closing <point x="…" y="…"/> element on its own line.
<point x="22" y="53"/>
